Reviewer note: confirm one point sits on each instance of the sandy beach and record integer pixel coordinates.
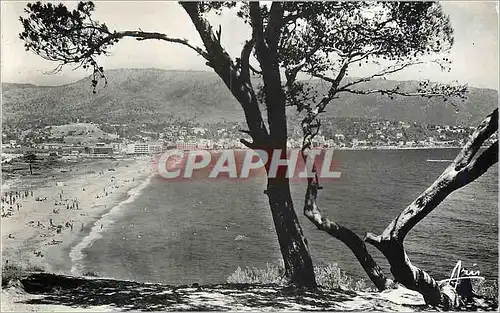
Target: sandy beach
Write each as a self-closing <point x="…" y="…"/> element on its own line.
<point x="44" y="218"/>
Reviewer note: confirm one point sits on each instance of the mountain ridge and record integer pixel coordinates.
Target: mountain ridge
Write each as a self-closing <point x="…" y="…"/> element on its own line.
<point x="155" y="95"/>
<point x="194" y="71"/>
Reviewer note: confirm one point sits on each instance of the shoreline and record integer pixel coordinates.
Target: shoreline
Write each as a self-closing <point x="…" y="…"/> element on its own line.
<point x="43" y="234"/>
<point x="101" y="224"/>
<point x="394" y="148"/>
<point x="385" y="148"/>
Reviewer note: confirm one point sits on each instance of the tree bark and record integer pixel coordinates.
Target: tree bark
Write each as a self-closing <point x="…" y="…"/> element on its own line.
<point x="345" y="235"/>
<point x="462" y="171"/>
<point x="293" y="246"/>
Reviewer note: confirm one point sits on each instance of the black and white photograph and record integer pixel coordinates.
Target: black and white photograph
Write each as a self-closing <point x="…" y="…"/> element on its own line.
<point x="249" y="156"/>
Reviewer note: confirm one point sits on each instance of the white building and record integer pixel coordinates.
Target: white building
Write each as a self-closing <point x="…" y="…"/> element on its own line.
<point x="181" y="145"/>
<point x="138" y="148"/>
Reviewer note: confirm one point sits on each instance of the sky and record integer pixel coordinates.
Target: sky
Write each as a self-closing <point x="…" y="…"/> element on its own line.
<point x="474" y="55"/>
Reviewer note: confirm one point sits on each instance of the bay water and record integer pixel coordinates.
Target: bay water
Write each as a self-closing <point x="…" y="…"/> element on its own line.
<point x="201" y="230"/>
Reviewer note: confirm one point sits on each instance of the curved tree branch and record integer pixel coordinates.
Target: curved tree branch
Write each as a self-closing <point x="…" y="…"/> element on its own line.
<point x="258" y="30"/>
<point x="458" y="174"/>
<point x="345" y="235"/>
<point x="238" y="84"/>
<point x="245" y="59"/>
<point x="140" y="35"/>
<point x="274" y="26"/>
<point x="310" y="127"/>
<point x="462" y="171"/>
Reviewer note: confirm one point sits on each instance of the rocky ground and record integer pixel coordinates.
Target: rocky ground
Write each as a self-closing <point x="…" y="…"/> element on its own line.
<point x="49" y="292"/>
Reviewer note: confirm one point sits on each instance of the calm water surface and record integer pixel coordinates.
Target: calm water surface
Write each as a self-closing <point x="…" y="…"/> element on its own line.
<point x="184" y="232"/>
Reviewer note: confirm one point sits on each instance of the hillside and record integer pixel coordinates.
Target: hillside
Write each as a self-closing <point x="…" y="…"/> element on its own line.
<point x="132" y="96"/>
<point x="153" y="95"/>
<point x="75" y="133"/>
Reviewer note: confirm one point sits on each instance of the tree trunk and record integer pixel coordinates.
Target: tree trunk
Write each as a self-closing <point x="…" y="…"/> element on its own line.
<point x="345" y="235"/>
<point x="293" y="244"/>
<point x="409" y="275"/>
<point x="462" y="171"/>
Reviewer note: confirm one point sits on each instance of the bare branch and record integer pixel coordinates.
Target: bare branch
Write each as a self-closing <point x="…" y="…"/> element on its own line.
<point x="386" y="71"/>
<point x="348" y="237"/>
<point x="257" y="29"/>
<point x="245" y="59"/>
<point x="462" y="171"/>
<point x="238" y="84"/>
<point x="480" y="165"/>
<point x="274" y="25"/>
<point x="332" y="92"/>
<point x="140" y="35"/>
<point x="458" y="174"/>
<point x="395" y="92"/>
<point x="291" y="73"/>
<point x="254" y="70"/>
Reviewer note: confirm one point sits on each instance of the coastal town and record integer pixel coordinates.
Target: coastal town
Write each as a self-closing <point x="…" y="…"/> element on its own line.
<point x="249" y="156"/>
<point x="91" y="140"/>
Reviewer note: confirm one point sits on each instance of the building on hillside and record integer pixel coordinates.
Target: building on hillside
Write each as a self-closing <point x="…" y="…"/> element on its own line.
<point x="51" y="146"/>
<point x="205" y="144"/>
<point x="339" y="137"/>
<point x="101" y="148"/>
<point x="198" y="130"/>
<point x="138" y="148"/>
<point x="181" y="145"/>
<point x="117" y="146"/>
<point x="329" y="143"/>
<point x="154" y="148"/>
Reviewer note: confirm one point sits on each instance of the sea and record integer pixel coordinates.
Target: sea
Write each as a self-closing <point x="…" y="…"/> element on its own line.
<point x="201" y="230"/>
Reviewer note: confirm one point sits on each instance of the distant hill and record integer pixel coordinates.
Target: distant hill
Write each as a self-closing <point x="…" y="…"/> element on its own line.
<point x="75" y="133"/>
<point x="480" y="103"/>
<point x="154" y="95"/>
<point x="7" y="86"/>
